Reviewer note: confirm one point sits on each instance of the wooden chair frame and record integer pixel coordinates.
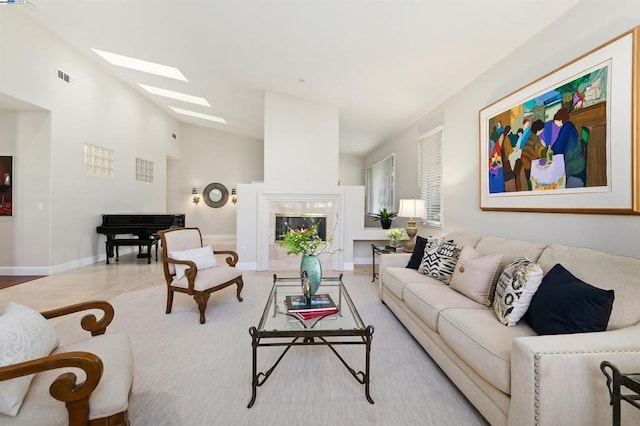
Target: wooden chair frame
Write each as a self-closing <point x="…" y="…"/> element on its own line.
<point x="65" y="387"/>
<point x="201" y="297"/>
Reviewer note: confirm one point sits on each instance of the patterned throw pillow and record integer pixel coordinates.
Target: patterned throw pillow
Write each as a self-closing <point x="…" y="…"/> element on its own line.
<point x="24" y="335"/>
<point x="439" y="259"/>
<point x="515" y="288"/>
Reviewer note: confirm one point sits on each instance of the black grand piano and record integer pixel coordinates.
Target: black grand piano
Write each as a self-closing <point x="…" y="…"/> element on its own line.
<point x="143" y="226"/>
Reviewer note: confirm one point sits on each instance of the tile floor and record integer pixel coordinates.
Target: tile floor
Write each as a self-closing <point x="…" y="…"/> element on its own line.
<point x="99" y="281"/>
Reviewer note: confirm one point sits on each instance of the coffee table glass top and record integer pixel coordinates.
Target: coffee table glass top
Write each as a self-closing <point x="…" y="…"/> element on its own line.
<point x="276" y="318"/>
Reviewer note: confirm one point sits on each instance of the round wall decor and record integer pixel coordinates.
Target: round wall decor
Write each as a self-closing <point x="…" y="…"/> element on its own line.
<point x="215" y="195"/>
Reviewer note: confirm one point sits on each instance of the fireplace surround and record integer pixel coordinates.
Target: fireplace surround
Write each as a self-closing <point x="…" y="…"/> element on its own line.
<point x="270" y="256"/>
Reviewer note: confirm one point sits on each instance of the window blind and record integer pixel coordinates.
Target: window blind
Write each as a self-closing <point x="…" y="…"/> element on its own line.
<point x="430" y="147"/>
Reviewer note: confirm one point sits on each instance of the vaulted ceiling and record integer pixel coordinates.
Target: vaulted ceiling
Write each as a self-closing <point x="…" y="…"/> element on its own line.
<point x="383" y="63"/>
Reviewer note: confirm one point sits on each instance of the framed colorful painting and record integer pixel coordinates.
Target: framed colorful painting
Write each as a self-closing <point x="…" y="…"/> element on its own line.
<point x="567" y="142"/>
<point x="6" y="185"/>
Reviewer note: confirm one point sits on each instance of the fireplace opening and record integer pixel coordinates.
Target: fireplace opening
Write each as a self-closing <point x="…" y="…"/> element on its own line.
<point x="286" y="221"/>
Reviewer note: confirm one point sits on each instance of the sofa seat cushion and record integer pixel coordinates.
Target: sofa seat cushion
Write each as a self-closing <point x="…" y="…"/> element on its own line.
<point x="395" y="278"/>
<point x="111" y="396"/>
<point x="428" y="300"/>
<point x="482" y="342"/>
<point x="206" y="278"/>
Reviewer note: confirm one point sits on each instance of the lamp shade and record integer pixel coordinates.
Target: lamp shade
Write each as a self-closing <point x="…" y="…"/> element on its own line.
<point x="412" y="208"/>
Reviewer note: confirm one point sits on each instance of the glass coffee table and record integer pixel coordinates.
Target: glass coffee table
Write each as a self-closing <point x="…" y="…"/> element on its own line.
<point x="279" y="328"/>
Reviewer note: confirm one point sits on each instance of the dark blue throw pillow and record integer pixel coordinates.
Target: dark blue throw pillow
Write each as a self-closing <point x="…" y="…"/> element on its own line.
<point x="565" y="304"/>
<point x="418" y="252"/>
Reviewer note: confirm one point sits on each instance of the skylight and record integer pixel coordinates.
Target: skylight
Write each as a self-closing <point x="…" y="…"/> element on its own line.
<point x="140" y="65"/>
<point x="198" y="115"/>
<point x="175" y="95"/>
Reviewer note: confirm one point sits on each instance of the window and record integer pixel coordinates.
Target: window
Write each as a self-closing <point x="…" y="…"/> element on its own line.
<point x="144" y="170"/>
<point x="430" y="174"/>
<point x="98" y="161"/>
<point x="379" y="184"/>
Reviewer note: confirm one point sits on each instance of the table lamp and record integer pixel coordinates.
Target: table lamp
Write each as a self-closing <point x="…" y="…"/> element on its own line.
<point x="412" y="209"/>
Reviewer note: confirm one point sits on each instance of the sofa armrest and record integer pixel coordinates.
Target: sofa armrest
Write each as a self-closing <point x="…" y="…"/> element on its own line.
<point x="88" y="322"/>
<point x="65" y="387"/>
<point x="557" y="379"/>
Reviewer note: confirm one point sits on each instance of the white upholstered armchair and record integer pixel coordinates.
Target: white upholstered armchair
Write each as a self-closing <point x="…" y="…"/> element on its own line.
<point x="193" y="269"/>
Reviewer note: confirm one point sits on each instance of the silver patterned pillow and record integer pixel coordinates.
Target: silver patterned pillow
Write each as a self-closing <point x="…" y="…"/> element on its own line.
<point x="515" y="289"/>
<point x="24" y="335"/>
<point x="439" y="259"/>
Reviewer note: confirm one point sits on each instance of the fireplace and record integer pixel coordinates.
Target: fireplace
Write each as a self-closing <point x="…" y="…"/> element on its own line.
<point x="287" y="221"/>
<point x="274" y="209"/>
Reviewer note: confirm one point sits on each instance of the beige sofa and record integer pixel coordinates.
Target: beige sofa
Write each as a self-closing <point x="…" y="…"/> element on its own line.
<point x="510" y="374"/>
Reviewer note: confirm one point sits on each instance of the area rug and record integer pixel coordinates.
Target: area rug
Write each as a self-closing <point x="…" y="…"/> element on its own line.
<point x="192" y="374"/>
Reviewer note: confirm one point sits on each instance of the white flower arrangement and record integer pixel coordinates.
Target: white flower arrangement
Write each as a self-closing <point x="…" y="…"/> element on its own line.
<point x="395" y="234"/>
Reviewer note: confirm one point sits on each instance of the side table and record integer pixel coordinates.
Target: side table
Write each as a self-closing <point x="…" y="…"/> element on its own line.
<point x="378" y="250"/>
<point x="615" y="382"/>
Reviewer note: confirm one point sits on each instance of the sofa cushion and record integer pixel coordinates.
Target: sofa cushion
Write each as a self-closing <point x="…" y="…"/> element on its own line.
<point x="111" y="396"/>
<point x="605" y="271"/>
<point x="439" y="259"/>
<point x="482" y="342"/>
<point x="475" y="275"/>
<point x="565" y="304"/>
<point x="418" y="252"/>
<point x="209" y="277"/>
<point x="203" y="257"/>
<point x="395" y="278"/>
<point x="515" y="288"/>
<point x="428" y="300"/>
<point x="511" y="249"/>
<point x="464" y="238"/>
<point x="24" y="336"/>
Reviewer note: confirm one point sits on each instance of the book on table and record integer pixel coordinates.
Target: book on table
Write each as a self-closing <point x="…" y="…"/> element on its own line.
<point x="316" y="314"/>
<point x="318" y="303"/>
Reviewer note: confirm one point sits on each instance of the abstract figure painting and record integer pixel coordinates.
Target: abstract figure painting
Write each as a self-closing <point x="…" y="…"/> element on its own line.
<point x="6" y="186"/>
<point x="565" y="143"/>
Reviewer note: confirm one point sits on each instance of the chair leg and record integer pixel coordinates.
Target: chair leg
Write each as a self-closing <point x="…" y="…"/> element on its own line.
<point x="202" y="299"/>
<point x="240" y="284"/>
<point x="169" y="300"/>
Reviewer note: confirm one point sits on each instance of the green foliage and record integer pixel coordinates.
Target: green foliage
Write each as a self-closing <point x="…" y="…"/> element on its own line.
<point x="306" y="241"/>
<point x="384" y="214"/>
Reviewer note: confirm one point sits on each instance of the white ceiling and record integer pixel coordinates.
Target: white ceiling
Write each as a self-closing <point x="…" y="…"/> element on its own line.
<point x="383" y="63"/>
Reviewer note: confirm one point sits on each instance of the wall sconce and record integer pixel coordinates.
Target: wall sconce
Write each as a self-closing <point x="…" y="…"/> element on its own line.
<point x="234" y="197"/>
<point x="196" y="197"/>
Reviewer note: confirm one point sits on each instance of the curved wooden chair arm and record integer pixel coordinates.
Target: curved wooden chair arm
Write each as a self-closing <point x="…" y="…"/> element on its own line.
<point x="88" y="322"/>
<point x="232" y="259"/>
<point x="65" y="387"/>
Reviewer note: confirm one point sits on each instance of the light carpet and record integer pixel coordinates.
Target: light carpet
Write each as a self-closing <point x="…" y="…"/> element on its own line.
<point x="192" y="374"/>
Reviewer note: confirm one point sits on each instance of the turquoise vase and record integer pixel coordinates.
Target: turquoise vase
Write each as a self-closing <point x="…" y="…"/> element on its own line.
<point x="312" y="265"/>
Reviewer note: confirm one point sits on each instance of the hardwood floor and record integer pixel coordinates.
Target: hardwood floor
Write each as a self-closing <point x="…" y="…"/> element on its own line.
<point x="9" y="280"/>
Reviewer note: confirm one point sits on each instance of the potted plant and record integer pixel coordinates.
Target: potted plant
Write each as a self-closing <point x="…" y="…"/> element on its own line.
<point x="385" y="217"/>
<point x="307" y="242"/>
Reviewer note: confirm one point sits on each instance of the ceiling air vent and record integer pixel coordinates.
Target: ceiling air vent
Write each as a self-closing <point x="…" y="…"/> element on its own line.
<point x="66" y="77"/>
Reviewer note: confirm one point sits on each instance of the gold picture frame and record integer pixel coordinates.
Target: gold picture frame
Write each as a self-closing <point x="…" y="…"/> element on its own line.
<point x="578" y="149"/>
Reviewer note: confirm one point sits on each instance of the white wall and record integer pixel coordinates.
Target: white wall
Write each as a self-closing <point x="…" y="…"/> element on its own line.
<point x="585" y="27"/>
<point x="351" y="170"/>
<point x="209" y="156"/>
<point x="301" y="140"/>
<point x="99" y="110"/>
